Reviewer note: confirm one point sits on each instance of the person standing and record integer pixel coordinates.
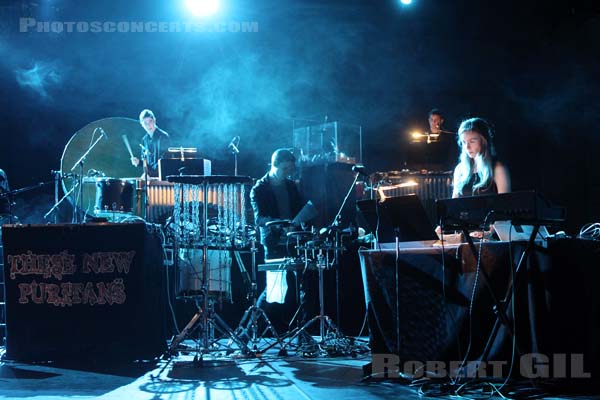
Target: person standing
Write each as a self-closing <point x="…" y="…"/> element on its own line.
<point x="154" y="144"/>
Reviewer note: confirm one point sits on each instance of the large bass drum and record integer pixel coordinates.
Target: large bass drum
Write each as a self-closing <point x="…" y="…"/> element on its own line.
<point x="109" y="157"/>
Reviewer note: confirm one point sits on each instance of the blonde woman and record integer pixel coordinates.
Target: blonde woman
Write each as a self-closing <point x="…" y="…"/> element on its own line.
<point x="478" y="171"/>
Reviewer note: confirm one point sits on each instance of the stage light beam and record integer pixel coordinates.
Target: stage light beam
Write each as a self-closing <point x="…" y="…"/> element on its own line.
<point x="203" y="8"/>
<point x="406" y="2"/>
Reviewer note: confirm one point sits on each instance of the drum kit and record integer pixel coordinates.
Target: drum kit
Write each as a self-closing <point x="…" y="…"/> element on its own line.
<point x="206" y="219"/>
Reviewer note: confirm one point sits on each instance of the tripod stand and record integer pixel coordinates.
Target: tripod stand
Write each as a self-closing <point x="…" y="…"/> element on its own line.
<point x="211" y="322"/>
<point x="327" y="329"/>
<point x="249" y="324"/>
<point x="504" y="317"/>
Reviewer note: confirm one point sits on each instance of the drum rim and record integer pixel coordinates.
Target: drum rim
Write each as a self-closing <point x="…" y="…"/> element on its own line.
<point x="98" y="179"/>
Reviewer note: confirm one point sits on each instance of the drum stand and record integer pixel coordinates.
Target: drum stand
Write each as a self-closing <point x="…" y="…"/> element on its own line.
<point x="210" y="322"/>
<point x="327" y="329"/>
<point x="205" y="315"/>
<point x="248" y="327"/>
<point x="324" y="320"/>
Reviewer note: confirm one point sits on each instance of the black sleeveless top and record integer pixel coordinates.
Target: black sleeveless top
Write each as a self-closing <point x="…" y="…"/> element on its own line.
<point x="490" y="188"/>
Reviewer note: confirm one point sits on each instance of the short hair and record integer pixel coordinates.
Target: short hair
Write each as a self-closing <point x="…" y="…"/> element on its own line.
<point x="282" y="155"/>
<point x="435" y="111"/>
<point x="145" y="114"/>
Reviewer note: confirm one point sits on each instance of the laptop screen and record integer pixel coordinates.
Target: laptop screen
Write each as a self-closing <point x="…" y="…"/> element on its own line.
<point x="403" y="217"/>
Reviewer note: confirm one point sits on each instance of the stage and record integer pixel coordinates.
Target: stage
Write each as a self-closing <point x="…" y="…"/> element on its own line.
<point x="88" y="345"/>
<point x="267" y="377"/>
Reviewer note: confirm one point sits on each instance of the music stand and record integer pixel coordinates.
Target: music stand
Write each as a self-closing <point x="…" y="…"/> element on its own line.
<point x="401" y="218"/>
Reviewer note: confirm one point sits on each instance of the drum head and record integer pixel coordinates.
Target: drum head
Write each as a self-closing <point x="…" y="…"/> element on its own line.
<point x="115" y="196"/>
<point x="109" y="156"/>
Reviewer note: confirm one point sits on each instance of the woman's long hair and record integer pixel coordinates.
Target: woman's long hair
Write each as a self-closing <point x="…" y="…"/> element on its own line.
<point x="483" y="163"/>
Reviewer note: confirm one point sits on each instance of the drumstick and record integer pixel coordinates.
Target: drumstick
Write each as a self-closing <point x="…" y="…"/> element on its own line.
<point x="126" y="141"/>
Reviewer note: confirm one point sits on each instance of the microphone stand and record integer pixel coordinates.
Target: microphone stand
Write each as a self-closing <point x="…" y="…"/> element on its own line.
<point x="57" y="175"/>
<point x="15" y="192"/>
<point x="56" y="201"/>
<point x="235" y="151"/>
<point x="335" y="223"/>
<point x="80" y="163"/>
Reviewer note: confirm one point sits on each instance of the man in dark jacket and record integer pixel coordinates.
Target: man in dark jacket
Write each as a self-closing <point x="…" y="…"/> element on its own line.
<point x="275" y="197"/>
<point x="276" y="200"/>
<point x="155" y="143"/>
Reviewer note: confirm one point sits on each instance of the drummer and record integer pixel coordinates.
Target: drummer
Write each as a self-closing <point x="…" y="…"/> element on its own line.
<point x="154" y="143"/>
<point x="276" y="197"/>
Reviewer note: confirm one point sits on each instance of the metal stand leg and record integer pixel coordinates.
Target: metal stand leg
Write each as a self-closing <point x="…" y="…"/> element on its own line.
<point x="327" y="329"/>
<point x="248" y="327"/>
<point x="210" y="321"/>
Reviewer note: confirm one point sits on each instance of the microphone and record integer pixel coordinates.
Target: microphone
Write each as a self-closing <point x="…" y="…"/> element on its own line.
<point x="324" y="128"/>
<point x="359" y="169"/>
<point x="102" y="132"/>
<point x="233" y="145"/>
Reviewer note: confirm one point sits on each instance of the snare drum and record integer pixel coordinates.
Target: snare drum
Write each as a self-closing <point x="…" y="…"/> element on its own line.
<point x="115" y="197"/>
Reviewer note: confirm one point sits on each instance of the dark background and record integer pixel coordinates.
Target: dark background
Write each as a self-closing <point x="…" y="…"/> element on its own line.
<point x="529" y="67"/>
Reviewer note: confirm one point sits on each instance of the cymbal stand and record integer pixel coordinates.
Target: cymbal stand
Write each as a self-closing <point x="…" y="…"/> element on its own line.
<point x="249" y="324"/>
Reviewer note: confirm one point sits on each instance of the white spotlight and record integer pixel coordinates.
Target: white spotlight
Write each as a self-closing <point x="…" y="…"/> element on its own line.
<point x="202" y="8"/>
<point x="406" y="2"/>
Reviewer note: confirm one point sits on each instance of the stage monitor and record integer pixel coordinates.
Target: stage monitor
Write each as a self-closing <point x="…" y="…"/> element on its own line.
<point x="401" y="217"/>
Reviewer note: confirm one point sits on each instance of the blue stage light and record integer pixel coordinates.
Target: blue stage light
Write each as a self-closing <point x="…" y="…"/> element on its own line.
<point x="406" y="2"/>
<point x="203" y="8"/>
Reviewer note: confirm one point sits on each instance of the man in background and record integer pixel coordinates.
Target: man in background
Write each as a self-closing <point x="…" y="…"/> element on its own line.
<point x="154" y="144"/>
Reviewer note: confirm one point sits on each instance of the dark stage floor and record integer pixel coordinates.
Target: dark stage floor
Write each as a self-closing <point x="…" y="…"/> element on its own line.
<point x="221" y="376"/>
